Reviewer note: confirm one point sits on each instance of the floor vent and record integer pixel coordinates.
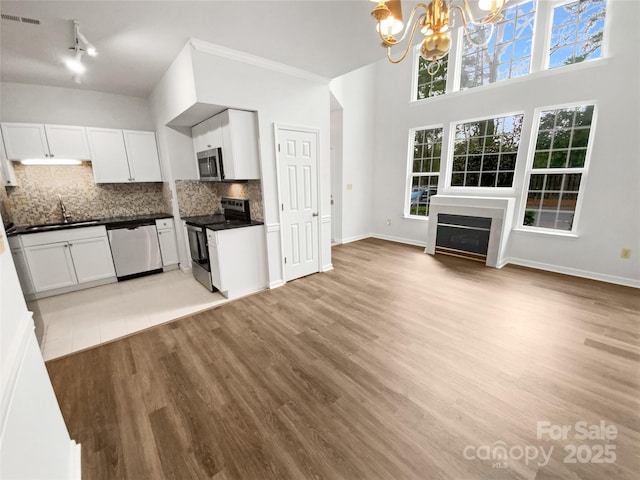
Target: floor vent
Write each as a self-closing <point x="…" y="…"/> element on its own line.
<point x="15" y="18"/>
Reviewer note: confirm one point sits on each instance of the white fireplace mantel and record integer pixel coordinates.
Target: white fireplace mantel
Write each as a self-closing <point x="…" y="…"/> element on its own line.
<point x="498" y="209"/>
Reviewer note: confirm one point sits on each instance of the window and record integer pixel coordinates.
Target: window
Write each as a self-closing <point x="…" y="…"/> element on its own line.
<point x="431" y="85"/>
<point x="425" y="171"/>
<point x="558" y="166"/>
<point x="576" y="33"/>
<point x="485" y="152"/>
<point x="508" y="53"/>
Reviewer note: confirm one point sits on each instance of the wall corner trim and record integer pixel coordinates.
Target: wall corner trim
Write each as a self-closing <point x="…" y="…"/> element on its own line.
<point x="76" y="460"/>
<point x="276" y="284"/>
<point x="12" y="365"/>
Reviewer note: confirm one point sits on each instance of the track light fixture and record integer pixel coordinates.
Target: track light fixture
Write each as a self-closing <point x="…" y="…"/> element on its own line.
<point x="80" y="46"/>
<point x="435" y="24"/>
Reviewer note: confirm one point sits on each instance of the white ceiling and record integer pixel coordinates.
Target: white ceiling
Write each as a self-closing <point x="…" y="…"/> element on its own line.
<point x="138" y="40"/>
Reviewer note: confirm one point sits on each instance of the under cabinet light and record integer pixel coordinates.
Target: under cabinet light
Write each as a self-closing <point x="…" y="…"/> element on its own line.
<point x="50" y="161"/>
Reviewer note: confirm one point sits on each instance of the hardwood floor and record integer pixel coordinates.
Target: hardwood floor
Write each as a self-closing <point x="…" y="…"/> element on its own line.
<point x="395" y="365"/>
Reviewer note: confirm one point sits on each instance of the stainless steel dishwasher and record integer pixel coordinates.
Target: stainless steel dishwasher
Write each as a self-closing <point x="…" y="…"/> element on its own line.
<point x="135" y="250"/>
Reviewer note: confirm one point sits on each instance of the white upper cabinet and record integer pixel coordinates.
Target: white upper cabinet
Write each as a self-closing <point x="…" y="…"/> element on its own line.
<point x="8" y="174"/>
<point x="240" y="145"/>
<point x="67" y="142"/>
<point x="33" y="140"/>
<point x="108" y="156"/>
<point x="236" y="132"/>
<point x="124" y="156"/>
<point x="207" y="135"/>
<point x="200" y="134"/>
<point x="142" y="152"/>
<point x="25" y="140"/>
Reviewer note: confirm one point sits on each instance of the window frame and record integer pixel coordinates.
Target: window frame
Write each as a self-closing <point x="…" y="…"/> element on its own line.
<point x="584" y="171"/>
<point x="457" y="189"/>
<point x="410" y="172"/>
<point x="537" y="18"/>
<point x="540" y="53"/>
<point x="550" y="7"/>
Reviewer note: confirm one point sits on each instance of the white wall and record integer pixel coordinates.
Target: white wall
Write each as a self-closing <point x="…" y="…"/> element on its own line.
<point x="356" y="93"/>
<point x="34" y="442"/>
<point x="280" y="95"/>
<point x="611" y="203"/>
<point x="27" y="103"/>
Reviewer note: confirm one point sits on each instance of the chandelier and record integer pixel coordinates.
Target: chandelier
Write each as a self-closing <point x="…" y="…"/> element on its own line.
<point x="435" y="23"/>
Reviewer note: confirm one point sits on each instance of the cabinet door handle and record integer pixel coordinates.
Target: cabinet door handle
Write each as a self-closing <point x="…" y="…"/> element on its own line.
<point x="66" y="245"/>
<point x="51" y="155"/>
<point x="46" y="155"/>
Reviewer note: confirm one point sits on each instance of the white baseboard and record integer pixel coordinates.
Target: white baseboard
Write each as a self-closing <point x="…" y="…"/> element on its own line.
<point x="76" y="460"/>
<point x="602" y="277"/>
<point x="327" y="267"/>
<point x="276" y="284"/>
<point x="406" y="241"/>
<point x="185" y="269"/>
<point x="356" y="238"/>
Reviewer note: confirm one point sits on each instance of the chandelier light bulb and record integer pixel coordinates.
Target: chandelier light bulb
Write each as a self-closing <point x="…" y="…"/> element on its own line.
<point x="490" y="5"/>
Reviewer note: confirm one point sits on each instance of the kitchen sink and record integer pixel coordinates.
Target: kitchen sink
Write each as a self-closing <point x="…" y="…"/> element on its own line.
<point x="55" y="226"/>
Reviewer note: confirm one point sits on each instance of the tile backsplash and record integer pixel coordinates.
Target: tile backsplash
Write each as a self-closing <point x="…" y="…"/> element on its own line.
<point x="203" y="198"/>
<point x="35" y="200"/>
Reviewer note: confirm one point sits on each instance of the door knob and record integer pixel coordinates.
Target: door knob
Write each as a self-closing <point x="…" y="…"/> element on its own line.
<point x="315" y="214"/>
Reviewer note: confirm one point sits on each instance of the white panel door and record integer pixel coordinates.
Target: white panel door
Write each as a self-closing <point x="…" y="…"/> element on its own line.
<point x="92" y="259"/>
<point x="108" y="155"/>
<point x="142" y="152"/>
<point x="50" y="266"/>
<point x="25" y="140"/>
<point x="299" y="192"/>
<point x="66" y="141"/>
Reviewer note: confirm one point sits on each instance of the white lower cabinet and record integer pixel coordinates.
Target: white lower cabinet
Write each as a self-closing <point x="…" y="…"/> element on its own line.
<point x="64" y="260"/>
<point x="238" y="259"/>
<point x="51" y="266"/>
<point x="168" y="244"/>
<point x="22" y="268"/>
<point x="92" y="259"/>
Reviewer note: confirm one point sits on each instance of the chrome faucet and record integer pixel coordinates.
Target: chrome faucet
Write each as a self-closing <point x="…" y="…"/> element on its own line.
<point x="65" y="216"/>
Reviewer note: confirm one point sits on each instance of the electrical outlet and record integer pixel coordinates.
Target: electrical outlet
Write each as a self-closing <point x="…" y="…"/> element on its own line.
<point x="625" y="253"/>
<point x="349" y="186"/>
<point x="388" y="221"/>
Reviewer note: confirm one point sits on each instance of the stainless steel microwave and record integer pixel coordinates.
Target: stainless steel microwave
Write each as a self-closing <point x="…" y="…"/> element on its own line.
<point x="210" y="165"/>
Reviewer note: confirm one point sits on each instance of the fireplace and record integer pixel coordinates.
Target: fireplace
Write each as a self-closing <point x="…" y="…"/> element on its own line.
<point x="464" y="236"/>
<point x="473" y="226"/>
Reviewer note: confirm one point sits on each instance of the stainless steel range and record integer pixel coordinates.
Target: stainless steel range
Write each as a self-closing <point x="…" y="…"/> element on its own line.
<point x="235" y="214"/>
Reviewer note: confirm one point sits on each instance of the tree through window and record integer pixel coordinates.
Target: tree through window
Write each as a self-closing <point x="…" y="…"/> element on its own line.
<point x="577" y="32"/>
<point x="508" y="53"/>
<point x="485" y="152"/>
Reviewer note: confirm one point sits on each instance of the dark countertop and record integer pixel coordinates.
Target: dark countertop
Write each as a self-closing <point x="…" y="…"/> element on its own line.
<point x="228" y="226"/>
<point x="109" y="222"/>
<point x="218" y="222"/>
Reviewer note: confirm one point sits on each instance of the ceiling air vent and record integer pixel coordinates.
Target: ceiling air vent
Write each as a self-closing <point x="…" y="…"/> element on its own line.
<point x="15" y="18"/>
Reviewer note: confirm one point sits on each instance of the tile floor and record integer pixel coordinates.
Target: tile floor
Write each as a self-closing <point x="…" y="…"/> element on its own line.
<point x="82" y="319"/>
